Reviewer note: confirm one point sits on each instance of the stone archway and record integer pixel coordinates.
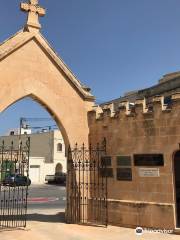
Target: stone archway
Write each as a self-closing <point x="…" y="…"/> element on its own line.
<point x="33" y="69"/>
<point x="29" y="67"/>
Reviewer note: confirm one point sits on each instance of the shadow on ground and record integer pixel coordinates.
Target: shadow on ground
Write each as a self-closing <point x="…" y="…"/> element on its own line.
<point x="56" y="184"/>
<point x="59" y="217"/>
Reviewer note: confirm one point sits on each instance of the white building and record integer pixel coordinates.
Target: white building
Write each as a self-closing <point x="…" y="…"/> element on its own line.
<point x="47" y="153"/>
<point x="16" y="131"/>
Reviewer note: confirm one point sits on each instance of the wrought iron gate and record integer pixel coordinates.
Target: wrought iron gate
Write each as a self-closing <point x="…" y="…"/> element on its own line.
<point x="87" y="186"/>
<point x="14" y="173"/>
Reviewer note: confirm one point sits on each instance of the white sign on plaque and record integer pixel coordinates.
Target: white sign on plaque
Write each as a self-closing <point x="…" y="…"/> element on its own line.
<point x="149" y="172"/>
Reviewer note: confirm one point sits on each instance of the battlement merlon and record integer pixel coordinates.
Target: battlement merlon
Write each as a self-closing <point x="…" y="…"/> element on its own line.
<point x="158" y="103"/>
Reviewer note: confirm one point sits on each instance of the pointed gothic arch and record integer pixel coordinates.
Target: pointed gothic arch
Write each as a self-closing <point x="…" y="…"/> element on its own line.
<point x="48" y="109"/>
<point x="29" y="67"/>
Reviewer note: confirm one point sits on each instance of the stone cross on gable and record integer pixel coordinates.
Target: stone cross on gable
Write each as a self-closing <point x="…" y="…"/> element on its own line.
<point x="34" y="12"/>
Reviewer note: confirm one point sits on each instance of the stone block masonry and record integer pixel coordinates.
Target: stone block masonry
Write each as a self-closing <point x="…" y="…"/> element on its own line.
<point x="140" y="128"/>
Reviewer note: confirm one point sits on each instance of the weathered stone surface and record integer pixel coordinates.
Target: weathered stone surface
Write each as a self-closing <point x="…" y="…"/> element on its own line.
<point x="141" y="133"/>
<point x="29" y="67"/>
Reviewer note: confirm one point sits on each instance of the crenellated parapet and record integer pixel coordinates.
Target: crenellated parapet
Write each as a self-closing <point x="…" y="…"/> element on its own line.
<point x="98" y="110"/>
<point x="111" y="108"/>
<point x="127" y="106"/>
<point x="143" y="103"/>
<point x="161" y="99"/>
<point x="139" y="106"/>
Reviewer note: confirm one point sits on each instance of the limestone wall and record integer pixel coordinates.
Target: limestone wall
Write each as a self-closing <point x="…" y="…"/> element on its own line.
<point x="141" y="129"/>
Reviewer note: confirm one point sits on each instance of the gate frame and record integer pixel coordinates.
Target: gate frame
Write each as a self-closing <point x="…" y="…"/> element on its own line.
<point x="13" y="198"/>
<point x="81" y="164"/>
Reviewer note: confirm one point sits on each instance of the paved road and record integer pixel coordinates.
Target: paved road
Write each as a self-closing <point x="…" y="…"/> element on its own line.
<point x="46" y="221"/>
<point x="46" y="230"/>
<point x="46" y="196"/>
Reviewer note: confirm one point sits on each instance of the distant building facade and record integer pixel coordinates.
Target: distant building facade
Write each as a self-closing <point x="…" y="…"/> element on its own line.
<point x="16" y="131"/>
<point x="47" y="152"/>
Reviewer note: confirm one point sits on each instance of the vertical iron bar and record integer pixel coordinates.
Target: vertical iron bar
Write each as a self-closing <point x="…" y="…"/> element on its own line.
<point x="79" y="183"/>
<point x="68" y="185"/>
<point x="99" y="186"/>
<point x="87" y="182"/>
<point x="28" y="144"/>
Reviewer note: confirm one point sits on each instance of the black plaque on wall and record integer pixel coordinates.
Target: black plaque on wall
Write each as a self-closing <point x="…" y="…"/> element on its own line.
<point x="123" y="160"/>
<point x="124" y="174"/>
<point x="106" y="172"/>
<point x="148" y="160"/>
<point x="106" y="161"/>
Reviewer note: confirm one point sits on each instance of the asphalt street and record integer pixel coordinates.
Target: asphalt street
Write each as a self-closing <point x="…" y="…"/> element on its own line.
<point x="46" y="221"/>
<point x="46" y="196"/>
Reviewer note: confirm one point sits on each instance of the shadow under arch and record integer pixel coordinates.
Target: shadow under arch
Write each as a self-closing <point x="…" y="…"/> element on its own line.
<point x="49" y="110"/>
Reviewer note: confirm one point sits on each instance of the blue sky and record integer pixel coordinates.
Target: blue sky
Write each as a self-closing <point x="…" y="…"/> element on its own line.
<point x="113" y="46"/>
<point x="26" y="108"/>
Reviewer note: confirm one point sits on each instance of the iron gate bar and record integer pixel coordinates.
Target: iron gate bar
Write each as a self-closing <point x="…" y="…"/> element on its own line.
<point x="87" y="186"/>
<point x="13" y="198"/>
